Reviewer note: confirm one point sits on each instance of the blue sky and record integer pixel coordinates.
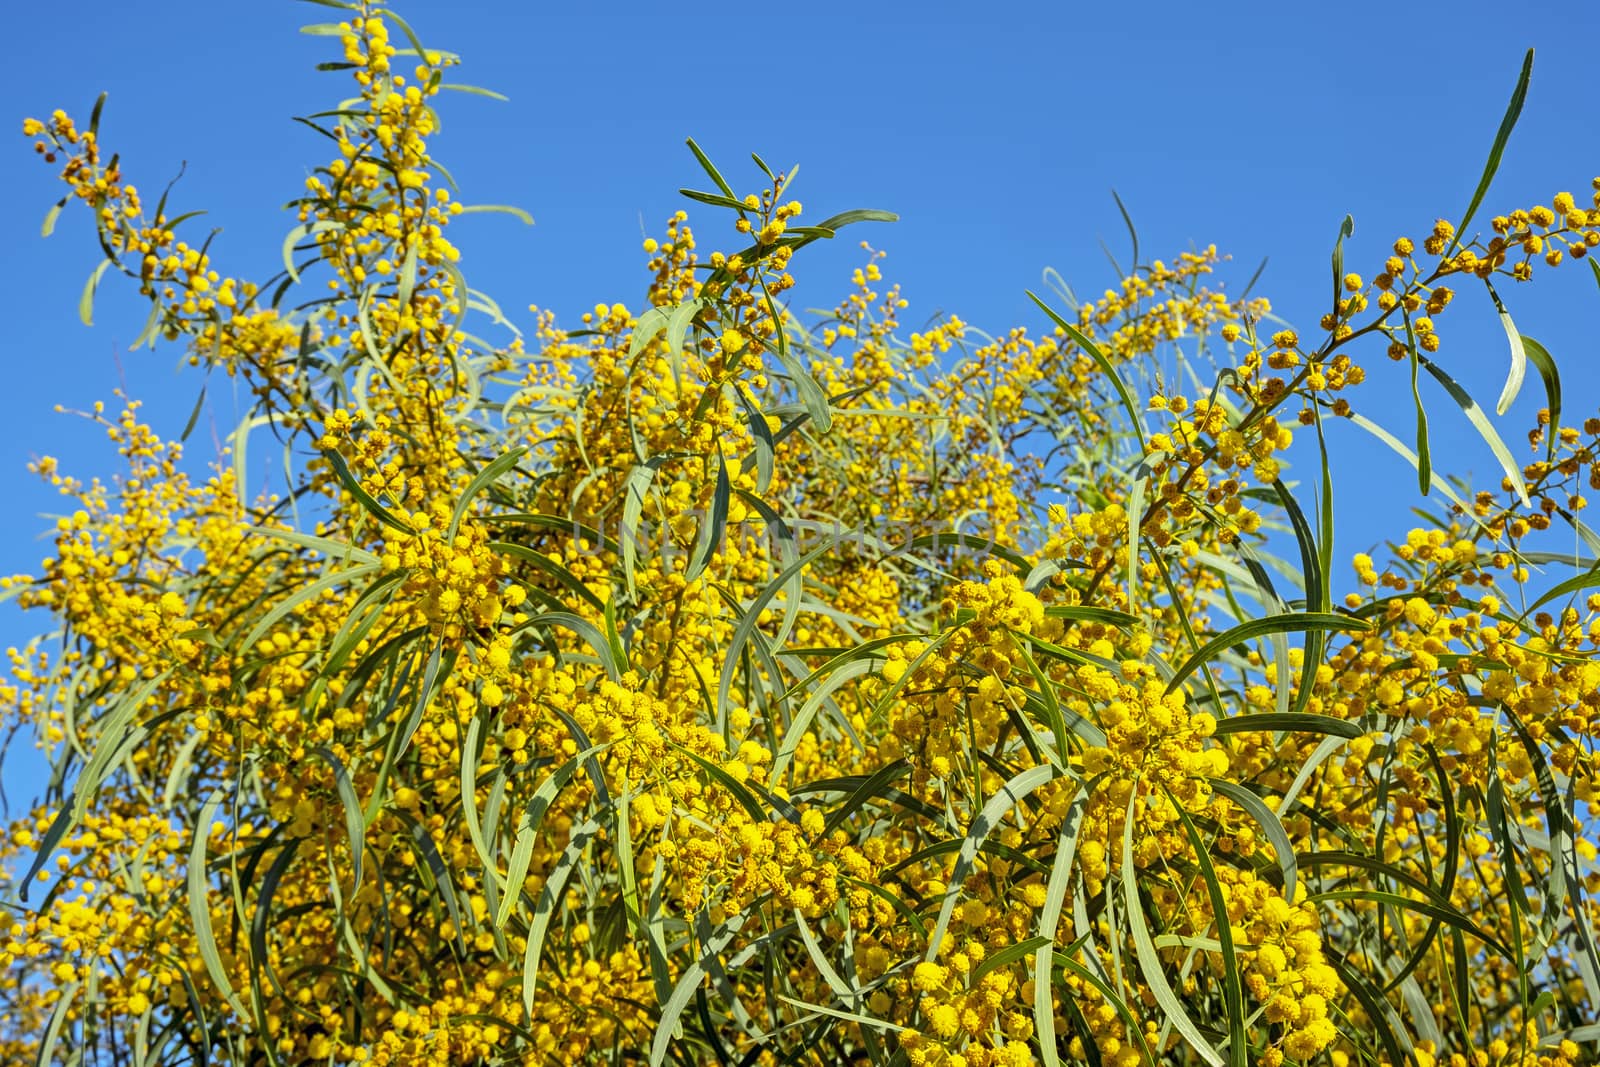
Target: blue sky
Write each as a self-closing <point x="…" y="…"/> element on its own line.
<point x="995" y="131"/>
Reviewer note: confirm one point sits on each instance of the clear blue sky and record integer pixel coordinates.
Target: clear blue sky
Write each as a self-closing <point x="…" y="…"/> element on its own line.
<point x="996" y="131"/>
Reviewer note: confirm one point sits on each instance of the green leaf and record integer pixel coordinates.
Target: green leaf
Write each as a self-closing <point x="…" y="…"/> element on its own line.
<point x="355" y="824"/>
<point x="485" y="478"/>
<point x="1409" y="456"/>
<point x="1572" y="585"/>
<point x="528" y="829"/>
<point x="1293" y="622"/>
<point x="846" y="218"/>
<point x="706" y="164"/>
<point x="65" y="998"/>
<point x="1346" y="229"/>
<point x="86" y="301"/>
<point x="300" y="596"/>
<point x="714" y="199"/>
<point x="1149" y="960"/>
<point x="502" y="209"/>
<point x="1519" y="356"/>
<point x="1424" y="452"/>
<point x="1232" y="982"/>
<point x="1056" y="887"/>
<point x="1546" y="366"/>
<point x="200" y="908"/>
<point x="688" y="982"/>
<point x="341" y="469"/>
<point x="1089" y="613"/>
<point x="50" y="216"/>
<point x="1290" y="722"/>
<point x="1507" y="123"/>
<point x="585" y="629"/>
<point x="994" y="811"/>
<point x="1480" y="422"/>
<point x="475" y="90"/>
<point x="1127" y="220"/>
<point x="715" y="524"/>
<point x="1267" y="819"/>
<point x="1083" y="341"/>
<point x="544" y="909"/>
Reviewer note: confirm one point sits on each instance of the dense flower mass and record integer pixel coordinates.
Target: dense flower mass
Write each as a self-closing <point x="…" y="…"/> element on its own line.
<point x="703" y="685"/>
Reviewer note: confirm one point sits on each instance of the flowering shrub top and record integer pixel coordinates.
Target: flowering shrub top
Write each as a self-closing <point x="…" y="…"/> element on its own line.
<point x="701" y="685"/>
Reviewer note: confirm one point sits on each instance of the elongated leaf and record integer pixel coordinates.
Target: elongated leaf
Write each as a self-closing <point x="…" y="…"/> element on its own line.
<point x="688" y="982"/>
<point x="1502" y="135"/>
<point x="355" y="824"/>
<point x="86" y="301"/>
<point x="1232" y="982"/>
<point x="1291" y="722"/>
<point x="485" y="478"/>
<point x="1480" y="422"/>
<point x="352" y="485"/>
<point x="1424" y="456"/>
<point x="457" y="87"/>
<point x="1267" y="819"/>
<point x="1056" y="888"/>
<point x="1546" y="366"/>
<point x="714" y="199"/>
<point x="1150" y="966"/>
<point x="710" y="169"/>
<point x="528" y="829"/>
<point x="714" y="525"/>
<point x="1519" y="357"/>
<point x="1294" y="622"/>
<point x="1346" y="229"/>
<point x="1091" y="349"/>
<point x="200" y="908"/>
<point x="50" y="216"/>
<point x="502" y="209"/>
<point x="988" y="821"/>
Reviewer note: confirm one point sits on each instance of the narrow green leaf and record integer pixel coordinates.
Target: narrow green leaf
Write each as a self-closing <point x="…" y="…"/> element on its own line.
<point x="706" y="164"/>
<point x="688" y="982"/>
<point x="528" y="829"/>
<point x="846" y="218"/>
<point x="200" y="908"/>
<point x="1519" y="355"/>
<point x="1507" y="124"/>
<point x="1127" y="220"/>
<point x="1293" y="622"/>
<point x="1346" y="229"/>
<point x="714" y="199"/>
<point x="715" y="525"/>
<point x="475" y="90"/>
<point x="987" y="822"/>
<point x="1424" y="456"/>
<point x="1150" y="966"/>
<point x="86" y="301"/>
<point x="544" y="909"/>
<point x="50" y="216"/>
<point x="67" y="995"/>
<point x="1091" y="349"/>
<point x="1480" y="422"/>
<point x="1267" y="819"/>
<point x="1232" y="981"/>
<point x="355" y="823"/>
<point x="1546" y="366"/>
<point x="502" y="209"/>
<point x="485" y="478"/>
<point x="342" y="471"/>
<point x="1056" y="887"/>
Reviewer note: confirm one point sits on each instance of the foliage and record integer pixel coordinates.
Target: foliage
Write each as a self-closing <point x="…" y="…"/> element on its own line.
<point x="703" y="686"/>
